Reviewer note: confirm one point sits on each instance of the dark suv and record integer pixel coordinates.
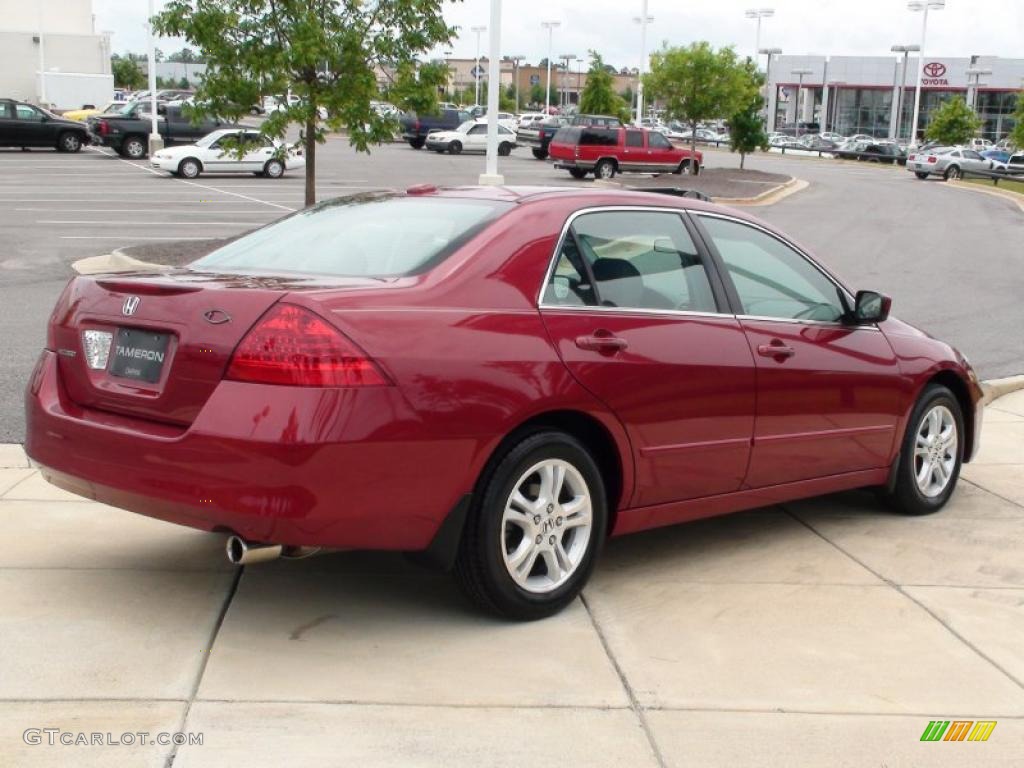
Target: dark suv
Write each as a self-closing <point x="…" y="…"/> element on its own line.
<point x="537" y="136"/>
<point x="416" y="127"/>
<point x="25" y="125"/>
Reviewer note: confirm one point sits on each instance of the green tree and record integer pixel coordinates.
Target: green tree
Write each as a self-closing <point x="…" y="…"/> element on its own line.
<point x="599" y="96"/>
<point x="953" y="123"/>
<point x="628" y="96"/>
<point x="746" y="127"/>
<point x="698" y="83"/>
<point x="415" y="88"/>
<point x="537" y="94"/>
<point x="326" y="52"/>
<point x="126" y="73"/>
<point x="1017" y="134"/>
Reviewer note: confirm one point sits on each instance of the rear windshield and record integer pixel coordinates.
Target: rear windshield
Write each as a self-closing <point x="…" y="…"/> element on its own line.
<point x="358" y="237"/>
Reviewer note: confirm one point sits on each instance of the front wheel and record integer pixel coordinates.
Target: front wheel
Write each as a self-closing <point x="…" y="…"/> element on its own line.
<point x="540" y="154"/>
<point x="455" y="148"/>
<point x="189" y="168"/>
<point x="535" y="529"/>
<point x="69" y="142"/>
<point x="921" y="174"/>
<point x="274" y="169"/>
<point x="577" y="173"/>
<point x="685" y="167"/>
<point x="417" y="143"/>
<point x="504" y="149"/>
<point x="930" y="455"/>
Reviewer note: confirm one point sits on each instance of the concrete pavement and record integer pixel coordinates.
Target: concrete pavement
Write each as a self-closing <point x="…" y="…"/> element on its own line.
<point x="828" y="632"/>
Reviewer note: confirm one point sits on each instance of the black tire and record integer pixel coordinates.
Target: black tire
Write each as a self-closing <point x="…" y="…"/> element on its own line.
<point x="480" y="568"/>
<point x="504" y="149"/>
<point x="255" y="111"/>
<point x="605" y="169"/>
<point x="274" y="169"/>
<point x="921" y="174"/>
<point x="578" y="173"/>
<point x="69" y="141"/>
<point x="540" y="154"/>
<point x="417" y="143"/>
<point x="685" y="167"/>
<point x="906" y="496"/>
<point x="134" y="147"/>
<point x="455" y="148"/>
<point x="190" y="168"/>
<point x="953" y="172"/>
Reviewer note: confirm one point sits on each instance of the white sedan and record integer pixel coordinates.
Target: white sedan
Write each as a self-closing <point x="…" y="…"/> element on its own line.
<point x="471" y="136"/>
<point x="213" y="154"/>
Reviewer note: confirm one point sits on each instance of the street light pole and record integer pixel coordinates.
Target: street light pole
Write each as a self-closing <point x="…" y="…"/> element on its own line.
<point x="565" y="58"/>
<point x="156" y="143"/>
<point x="769" y="106"/>
<point x="759" y="13"/>
<point x="550" y="27"/>
<point x="921" y="5"/>
<point x="491" y="175"/>
<point x="976" y="74"/>
<point x="515" y="75"/>
<point x="799" y="89"/>
<point x="476" y="69"/>
<point x="905" y="50"/>
<point x="643" y="19"/>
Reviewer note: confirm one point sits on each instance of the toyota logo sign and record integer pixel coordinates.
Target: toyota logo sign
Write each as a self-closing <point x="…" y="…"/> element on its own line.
<point x="935" y="69"/>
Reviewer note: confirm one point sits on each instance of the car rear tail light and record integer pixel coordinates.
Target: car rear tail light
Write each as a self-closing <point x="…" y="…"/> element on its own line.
<point x="103" y="127"/>
<point x="933" y="159"/>
<point x="911" y="157"/>
<point x="293" y="346"/>
<point x="97" y="348"/>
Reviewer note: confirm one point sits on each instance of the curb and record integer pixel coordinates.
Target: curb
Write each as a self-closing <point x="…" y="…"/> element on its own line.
<point x="770" y="197"/>
<point x="996" y="388"/>
<point x="1013" y="197"/>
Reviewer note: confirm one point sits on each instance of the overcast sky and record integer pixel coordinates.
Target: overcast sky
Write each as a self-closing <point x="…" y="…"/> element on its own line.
<point x="852" y="27"/>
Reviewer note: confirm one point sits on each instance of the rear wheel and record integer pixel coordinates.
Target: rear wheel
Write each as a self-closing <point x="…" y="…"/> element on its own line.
<point x="69" y="141"/>
<point x="605" y="169"/>
<point x="455" y="147"/>
<point x="540" y="154"/>
<point x="417" y="143"/>
<point x="921" y="174"/>
<point x="505" y="149"/>
<point x="134" y="147"/>
<point x="952" y="173"/>
<point x="189" y="168"/>
<point x="577" y="173"/>
<point x="274" y="169"/>
<point x="930" y="455"/>
<point x="535" y="530"/>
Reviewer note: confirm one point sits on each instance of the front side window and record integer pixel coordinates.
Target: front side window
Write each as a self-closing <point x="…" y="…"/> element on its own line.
<point x="772" y="279"/>
<point x="634" y="139"/>
<point x="359" y="236"/>
<point x="657" y="141"/>
<point x="25" y="112"/>
<point x="630" y="260"/>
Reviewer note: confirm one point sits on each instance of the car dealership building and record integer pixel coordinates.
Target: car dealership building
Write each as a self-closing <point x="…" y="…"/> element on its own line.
<point x="862" y="94"/>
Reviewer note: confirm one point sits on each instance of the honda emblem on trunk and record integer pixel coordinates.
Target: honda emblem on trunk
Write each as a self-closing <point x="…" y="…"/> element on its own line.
<point x="130" y="305"/>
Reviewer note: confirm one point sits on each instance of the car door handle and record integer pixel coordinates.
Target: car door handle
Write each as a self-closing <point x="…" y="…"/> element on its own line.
<point x="775" y="349"/>
<point x="607" y="344"/>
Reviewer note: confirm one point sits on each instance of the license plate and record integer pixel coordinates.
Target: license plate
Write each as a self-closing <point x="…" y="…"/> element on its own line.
<point x="139" y="354"/>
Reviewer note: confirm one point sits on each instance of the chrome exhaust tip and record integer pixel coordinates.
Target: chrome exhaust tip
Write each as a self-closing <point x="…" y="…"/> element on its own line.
<point x="242" y="552"/>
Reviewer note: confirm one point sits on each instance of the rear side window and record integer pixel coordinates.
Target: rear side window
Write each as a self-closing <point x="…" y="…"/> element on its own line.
<point x="599" y="137"/>
<point x="634" y="139"/>
<point x="358" y="237"/>
<point x="567" y="136"/>
<point x="632" y="260"/>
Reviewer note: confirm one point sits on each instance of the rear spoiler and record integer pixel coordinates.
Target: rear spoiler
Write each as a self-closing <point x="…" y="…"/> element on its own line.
<point x="675" y="192"/>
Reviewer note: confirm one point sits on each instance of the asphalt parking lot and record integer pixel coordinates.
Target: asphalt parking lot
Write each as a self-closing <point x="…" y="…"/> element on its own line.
<point x="947" y="256"/>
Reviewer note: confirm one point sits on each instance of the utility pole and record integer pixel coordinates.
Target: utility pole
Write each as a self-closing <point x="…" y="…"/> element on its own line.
<point x="550" y="27"/>
<point x="476" y="69"/>
<point x="643" y="20"/>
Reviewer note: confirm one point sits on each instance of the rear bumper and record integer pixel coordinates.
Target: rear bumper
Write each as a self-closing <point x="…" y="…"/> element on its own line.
<point x="290" y="465"/>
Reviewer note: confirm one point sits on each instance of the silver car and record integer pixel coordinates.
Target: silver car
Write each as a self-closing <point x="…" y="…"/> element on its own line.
<point x="947" y="162"/>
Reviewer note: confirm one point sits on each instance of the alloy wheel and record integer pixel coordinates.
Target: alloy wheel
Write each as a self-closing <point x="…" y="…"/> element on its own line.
<point x="546" y="526"/>
<point x="935" y="451"/>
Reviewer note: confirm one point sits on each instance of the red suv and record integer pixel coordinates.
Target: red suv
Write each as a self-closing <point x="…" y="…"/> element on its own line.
<point x="607" y="151"/>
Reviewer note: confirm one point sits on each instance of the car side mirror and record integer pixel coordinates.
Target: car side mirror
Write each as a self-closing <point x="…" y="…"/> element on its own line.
<point x="871" y="307"/>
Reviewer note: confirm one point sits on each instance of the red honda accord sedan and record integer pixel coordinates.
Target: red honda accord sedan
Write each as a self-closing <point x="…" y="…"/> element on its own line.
<point x="496" y="379"/>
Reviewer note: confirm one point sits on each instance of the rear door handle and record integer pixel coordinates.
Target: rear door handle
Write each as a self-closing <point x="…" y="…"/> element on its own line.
<point x="607" y="344"/>
<point x="775" y="349"/>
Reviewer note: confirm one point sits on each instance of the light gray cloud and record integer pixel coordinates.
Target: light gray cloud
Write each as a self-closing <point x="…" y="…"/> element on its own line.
<point x="852" y="27"/>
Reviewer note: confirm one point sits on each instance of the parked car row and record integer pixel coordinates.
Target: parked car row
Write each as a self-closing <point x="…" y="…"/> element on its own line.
<point x="954" y="162"/>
